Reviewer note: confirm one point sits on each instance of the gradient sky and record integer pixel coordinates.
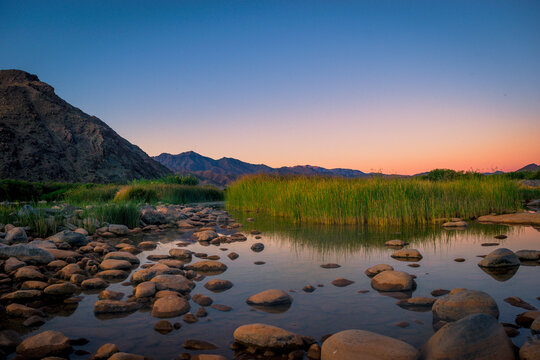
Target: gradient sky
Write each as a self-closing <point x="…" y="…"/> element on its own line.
<point x="398" y="86"/>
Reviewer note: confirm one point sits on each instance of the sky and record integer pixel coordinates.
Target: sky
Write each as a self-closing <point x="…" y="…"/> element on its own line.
<point x="394" y="86"/>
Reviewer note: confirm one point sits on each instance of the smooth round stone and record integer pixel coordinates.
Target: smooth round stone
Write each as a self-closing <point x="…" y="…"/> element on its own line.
<point x="477" y="336"/>
<point x="19" y="310"/>
<point x="202" y="300"/>
<point x="34" y="285"/>
<point x="341" y="282"/>
<point x="122" y="255"/>
<point x="348" y="344"/>
<point x="205" y="235"/>
<point x="455" y="224"/>
<point x="147" y="245"/>
<point x="535" y="326"/>
<point x="406" y="254"/>
<point x="374" y="270"/>
<point x="392" y="281"/>
<point x="163" y="327"/>
<point x="64" y="289"/>
<point x="417" y="303"/>
<point x="528" y="255"/>
<point x="208" y="357"/>
<point x="270" y="297"/>
<point x="94" y="283"/>
<point x="218" y="285"/>
<point x="183" y="254"/>
<point x="395" y="243"/>
<point x="526" y="318"/>
<point x="105" y="351"/>
<point x="531" y="349"/>
<point x="170" y="306"/>
<point x="177" y="283"/>
<point x="207" y="266"/>
<point x="460" y="303"/>
<point x="43" y="344"/>
<point x="28" y="273"/>
<point x="145" y="289"/>
<point x="193" y="344"/>
<point x="112" y="264"/>
<point x="267" y="337"/>
<point x="501" y="257"/>
<point x="257" y="247"/>
<point x="114" y="306"/>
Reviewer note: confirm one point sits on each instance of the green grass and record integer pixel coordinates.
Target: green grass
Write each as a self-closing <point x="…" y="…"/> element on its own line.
<point x="126" y="214"/>
<point x="380" y="201"/>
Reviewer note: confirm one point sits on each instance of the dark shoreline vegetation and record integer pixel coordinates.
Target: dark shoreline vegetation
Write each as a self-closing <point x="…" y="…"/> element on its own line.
<point x="439" y="195"/>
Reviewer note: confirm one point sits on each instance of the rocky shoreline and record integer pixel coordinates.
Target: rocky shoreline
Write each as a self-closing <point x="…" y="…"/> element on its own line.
<point x="39" y="274"/>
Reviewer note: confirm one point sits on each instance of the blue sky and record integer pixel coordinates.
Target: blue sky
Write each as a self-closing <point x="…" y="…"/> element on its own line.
<point x="401" y="86"/>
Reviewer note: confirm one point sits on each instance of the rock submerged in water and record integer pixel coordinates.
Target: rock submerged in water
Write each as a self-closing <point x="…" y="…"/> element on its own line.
<point x="455" y="224"/>
<point x="476" y="336"/>
<point x="46" y="343"/>
<point x="391" y="280"/>
<point x="270" y="337"/>
<point x="170" y="306"/>
<point x="271" y="297"/>
<point x="218" y="285"/>
<point x="407" y="254"/>
<point x="501" y="257"/>
<point x="349" y="344"/>
<point x="460" y="303"/>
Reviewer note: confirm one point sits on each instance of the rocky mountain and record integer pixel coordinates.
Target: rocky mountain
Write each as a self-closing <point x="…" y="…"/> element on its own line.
<point x="43" y="138"/>
<point x="222" y="171"/>
<point x="531" y="167"/>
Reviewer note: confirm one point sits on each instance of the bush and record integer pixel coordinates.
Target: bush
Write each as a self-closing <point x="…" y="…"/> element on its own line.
<point x="126" y="214"/>
<point x="91" y="193"/>
<point x="137" y="194"/>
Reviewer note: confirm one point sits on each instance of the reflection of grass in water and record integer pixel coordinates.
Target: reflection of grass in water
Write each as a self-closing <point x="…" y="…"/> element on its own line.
<point x="344" y="240"/>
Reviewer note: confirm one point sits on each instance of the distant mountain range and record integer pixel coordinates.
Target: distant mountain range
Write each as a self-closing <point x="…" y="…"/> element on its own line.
<point x="225" y="170"/>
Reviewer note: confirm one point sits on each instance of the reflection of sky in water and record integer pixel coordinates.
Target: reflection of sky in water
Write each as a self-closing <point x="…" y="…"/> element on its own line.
<point x="293" y="255"/>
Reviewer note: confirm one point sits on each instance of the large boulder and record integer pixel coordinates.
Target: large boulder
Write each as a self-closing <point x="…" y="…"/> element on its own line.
<point x="118" y="229"/>
<point x="264" y="336"/>
<point x="72" y="238"/>
<point x="501" y="257"/>
<point x="460" y="303"/>
<point x="44" y="344"/>
<point x="16" y="235"/>
<point x="27" y="253"/>
<point x="477" y="336"/>
<point x="170" y="306"/>
<point x="392" y="281"/>
<point x="349" y="344"/>
<point x="151" y="216"/>
<point x="531" y="349"/>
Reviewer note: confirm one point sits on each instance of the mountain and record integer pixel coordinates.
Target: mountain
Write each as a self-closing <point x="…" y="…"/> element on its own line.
<point x="43" y="138"/>
<point x="222" y="171"/>
<point x="531" y="167"/>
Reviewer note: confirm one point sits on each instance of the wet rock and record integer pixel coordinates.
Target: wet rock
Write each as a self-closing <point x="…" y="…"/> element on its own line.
<point x="459" y="260"/>
<point x="193" y="344"/>
<point x="259" y="262"/>
<point x="403" y="324"/>
<point x="527" y="318"/>
<point x="122" y="255"/>
<point x="205" y="235"/>
<point x="530" y="350"/>
<point x="348" y="344"/>
<point x="460" y="303"/>
<point x="13" y="264"/>
<point x="114" y="307"/>
<point x="257" y="247"/>
<point x="110" y="295"/>
<point x="34" y="320"/>
<point x="264" y="336"/>
<point x="150" y="216"/>
<point x="374" y="270"/>
<point x="28" y="273"/>
<point x="233" y="256"/>
<point x="208" y="357"/>
<point x="201" y="312"/>
<point x="19" y="310"/>
<point x="147" y="245"/>
<point x="21" y="295"/>
<point x="528" y="255"/>
<point x="64" y="289"/>
<point x="330" y="266"/>
<point x="202" y="300"/>
<point x="112" y="274"/>
<point x="490" y="244"/>
<point x="178" y="283"/>
<point x="535" y="326"/>
<point x="111" y="264"/>
<point x="341" y="282"/>
<point x="153" y="271"/>
<point x="94" y="283"/>
<point x="270" y="297"/>
<point x="172" y="263"/>
<point x="455" y="224"/>
<point x="118" y="230"/>
<point x="170" y="306"/>
<point x="395" y="243"/>
<point x="314" y="352"/>
<point x="56" y="264"/>
<point x="392" y="281"/>
<point x="163" y="327"/>
<point x="518" y="302"/>
<point x="44" y="344"/>
<point x="218" y="285"/>
<point x="308" y="289"/>
<point x="9" y="339"/>
<point x="182" y="254"/>
<point x="126" y="356"/>
<point x="68" y="270"/>
<point x="209" y="266"/>
<point x="500" y="237"/>
<point x="190" y="318"/>
<point x="476" y="336"/>
<point x="221" y="307"/>
<point x="417" y="303"/>
<point x="407" y="254"/>
<point x="72" y="238"/>
<point x="26" y="252"/>
<point x="501" y="257"/>
<point x="105" y="352"/>
<point x="16" y="235"/>
<point x="516" y="218"/>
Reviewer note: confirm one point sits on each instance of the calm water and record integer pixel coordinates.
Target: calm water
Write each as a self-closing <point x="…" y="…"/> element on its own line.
<point x="293" y="255"/>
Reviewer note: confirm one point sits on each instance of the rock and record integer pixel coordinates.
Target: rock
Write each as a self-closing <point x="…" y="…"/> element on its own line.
<point x="44" y="344"/>
<point x="527" y="318"/>
<point x="460" y="303"/>
<point x="122" y="255"/>
<point x="267" y="337"/>
<point x="94" y="283"/>
<point x="110" y="295"/>
<point x="528" y="255"/>
<point x="68" y="270"/>
<point x="221" y="307"/>
<point x="308" y="289"/>
<point x="105" y="352"/>
<point x="193" y="344"/>
<point x="341" y="282"/>
<point x="500" y="237"/>
<point x="270" y="297"/>
<point x="208" y="266"/>
<point x="26" y="252"/>
<point x="56" y="264"/>
<point x="374" y="270"/>
<point x="330" y="266"/>
<point x="476" y="336"/>
<point x="148" y="274"/>
<point x="530" y="350"/>
<point x="257" y="247"/>
<point x="535" y="326"/>
<point x="233" y="256"/>
<point x="205" y="235"/>
<point x="72" y="238"/>
<point x="516" y="218"/>
<point x="208" y="357"/>
<point x="112" y="274"/>
<point x="12" y="264"/>
<point x="21" y="295"/>
<point x="201" y="312"/>
<point x="178" y="283"/>
<point x="34" y="285"/>
<point x="182" y="254"/>
<point x="19" y="310"/>
<point x="145" y="289"/>
<point x="190" y="318"/>
<point x="314" y="352"/>
<point x="348" y="344"/>
<point x="16" y="235"/>
<point x="407" y="254"/>
<point x="455" y="224"/>
<point x="170" y="306"/>
<point x="114" y="307"/>
<point x="28" y="273"/>
<point x="126" y="356"/>
<point x="147" y="245"/>
<point x="218" y="285"/>
<point x="439" y="292"/>
<point x="9" y="339"/>
<point x="150" y="216"/>
<point x="34" y="320"/>
<point x="417" y="303"/>
<point x="391" y="280"/>
<point x="163" y="327"/>
<point x="64" y="289"/>
<point x="119" y="230"/>
<point x="518" y="302"/>
<point x="172" y="263"/>
<point x="395" y="243"/>
<point x="501" y="257"/>
<point x="111" y="264"/>
<point x="202" y="300"/>
<point x="81" y="231"/>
